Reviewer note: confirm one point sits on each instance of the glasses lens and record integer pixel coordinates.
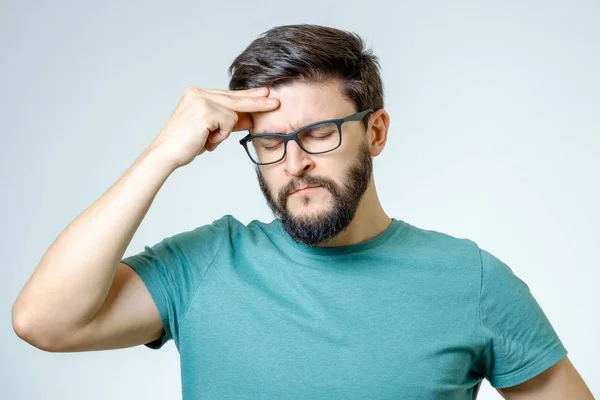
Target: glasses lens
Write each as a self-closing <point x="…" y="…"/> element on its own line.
<point x="320" y="138"/>
<point x="266" y="149"/>
<point x="315" y="139"/>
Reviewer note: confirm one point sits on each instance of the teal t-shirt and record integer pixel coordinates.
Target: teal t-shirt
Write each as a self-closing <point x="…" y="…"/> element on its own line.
<point x="409" y="314"/>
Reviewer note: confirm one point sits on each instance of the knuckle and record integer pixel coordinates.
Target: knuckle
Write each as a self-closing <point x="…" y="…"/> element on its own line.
<point x="212" y="124"/>
<point x="191" y="90"/>
<point x="189" y="94"/>
<point x="228" y="124"/>
<point x="261" y="102"/>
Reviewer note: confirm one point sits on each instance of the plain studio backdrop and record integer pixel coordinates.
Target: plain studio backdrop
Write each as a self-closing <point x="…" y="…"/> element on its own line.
<point x="494" y="137"/>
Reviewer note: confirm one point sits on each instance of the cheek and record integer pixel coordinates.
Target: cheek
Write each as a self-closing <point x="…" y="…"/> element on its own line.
<point x="332" y="167"/>
<point x="272" y="179"/>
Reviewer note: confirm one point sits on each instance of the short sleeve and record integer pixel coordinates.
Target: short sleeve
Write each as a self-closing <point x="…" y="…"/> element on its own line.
<point x="519" y="341"/>
<point x="172" y="270"/>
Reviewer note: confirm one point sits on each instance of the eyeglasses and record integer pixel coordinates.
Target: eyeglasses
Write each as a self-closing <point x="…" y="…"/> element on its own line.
<point x="316" y="138"/>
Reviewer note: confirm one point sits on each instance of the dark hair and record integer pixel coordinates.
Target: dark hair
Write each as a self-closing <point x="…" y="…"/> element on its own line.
<point x="313" y="54"/>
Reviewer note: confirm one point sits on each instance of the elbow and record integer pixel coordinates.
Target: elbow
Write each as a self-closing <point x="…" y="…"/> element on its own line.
<point x="27" y="331"/>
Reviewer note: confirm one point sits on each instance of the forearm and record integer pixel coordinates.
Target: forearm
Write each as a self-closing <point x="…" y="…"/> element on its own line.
<point x="72" y="279"/>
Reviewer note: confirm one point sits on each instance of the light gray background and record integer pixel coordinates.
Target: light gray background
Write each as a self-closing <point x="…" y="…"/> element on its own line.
<point x="493" y="137"/>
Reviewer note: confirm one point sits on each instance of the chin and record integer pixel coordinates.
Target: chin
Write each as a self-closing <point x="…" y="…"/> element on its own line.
<point x="312" y="210"/>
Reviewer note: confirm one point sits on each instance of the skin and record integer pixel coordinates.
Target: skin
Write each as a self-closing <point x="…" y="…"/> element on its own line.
<point x="343" y="173"/>
<point x="114" y="308"/>
<point x="302" y="104"/>
<point x="561" y="381"/>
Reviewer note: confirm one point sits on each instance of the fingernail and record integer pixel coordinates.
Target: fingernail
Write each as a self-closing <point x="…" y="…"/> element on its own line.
<point x="271" y="101"/>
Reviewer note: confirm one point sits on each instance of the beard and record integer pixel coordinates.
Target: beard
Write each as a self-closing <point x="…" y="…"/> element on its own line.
<point x="319" y="227"/>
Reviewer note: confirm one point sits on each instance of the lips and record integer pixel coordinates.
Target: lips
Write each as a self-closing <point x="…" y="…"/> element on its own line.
<point x="306" y="187"/>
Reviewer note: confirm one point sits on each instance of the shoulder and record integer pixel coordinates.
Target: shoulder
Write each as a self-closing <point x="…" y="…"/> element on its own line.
<point x="235" y="227"/>
<point x="226" y="227"/>
<point x="439" y="244"/>
<point x="442" y="244"/>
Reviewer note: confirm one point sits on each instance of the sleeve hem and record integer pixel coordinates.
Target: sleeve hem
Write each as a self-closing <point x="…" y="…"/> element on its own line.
<point x="158" y="297"/>
<point x="529" y="371"/>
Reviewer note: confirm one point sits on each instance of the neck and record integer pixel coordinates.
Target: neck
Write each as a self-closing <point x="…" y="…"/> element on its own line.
<point x="369" y="222"/>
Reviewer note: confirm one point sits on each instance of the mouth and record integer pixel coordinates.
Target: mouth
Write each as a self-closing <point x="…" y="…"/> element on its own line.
<point x="304" y="190"/>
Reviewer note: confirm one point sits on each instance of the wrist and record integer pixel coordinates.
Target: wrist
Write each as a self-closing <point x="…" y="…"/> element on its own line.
<point x="155" y="157"/>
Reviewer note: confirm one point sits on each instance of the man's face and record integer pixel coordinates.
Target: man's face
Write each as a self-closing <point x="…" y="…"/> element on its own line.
<point x="343" y="175"/>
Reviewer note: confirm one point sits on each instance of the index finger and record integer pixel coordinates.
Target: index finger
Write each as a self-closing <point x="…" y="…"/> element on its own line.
<point x="261" y="91"/>
<point x="244" y="103"/>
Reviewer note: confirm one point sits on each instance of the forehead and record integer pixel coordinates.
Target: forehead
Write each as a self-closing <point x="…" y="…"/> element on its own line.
<point x="302" y="104"/>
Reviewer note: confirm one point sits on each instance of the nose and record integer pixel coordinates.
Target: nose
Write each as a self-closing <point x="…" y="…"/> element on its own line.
<point x="297" y="161"/>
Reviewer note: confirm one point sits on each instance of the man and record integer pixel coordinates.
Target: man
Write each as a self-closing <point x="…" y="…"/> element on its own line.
<point x="333" y="298"/>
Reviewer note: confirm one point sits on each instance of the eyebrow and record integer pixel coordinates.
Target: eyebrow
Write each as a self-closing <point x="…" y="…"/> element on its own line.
<point x="294" y="129"/>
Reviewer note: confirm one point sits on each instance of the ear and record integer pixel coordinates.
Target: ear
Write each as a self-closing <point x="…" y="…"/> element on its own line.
<point x="377" y="131"/>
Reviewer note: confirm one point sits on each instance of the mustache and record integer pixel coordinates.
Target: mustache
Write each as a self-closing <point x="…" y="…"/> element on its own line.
<point x="305" y="181"/>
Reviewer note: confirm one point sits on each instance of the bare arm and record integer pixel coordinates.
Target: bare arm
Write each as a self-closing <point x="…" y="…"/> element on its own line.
<point x="80" y="297"/>
<point x="561" y="381"/>
<point x="74" y="276"/>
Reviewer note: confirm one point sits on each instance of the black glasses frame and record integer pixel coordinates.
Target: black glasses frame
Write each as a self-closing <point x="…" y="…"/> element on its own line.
<point x="294" y="135"/>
